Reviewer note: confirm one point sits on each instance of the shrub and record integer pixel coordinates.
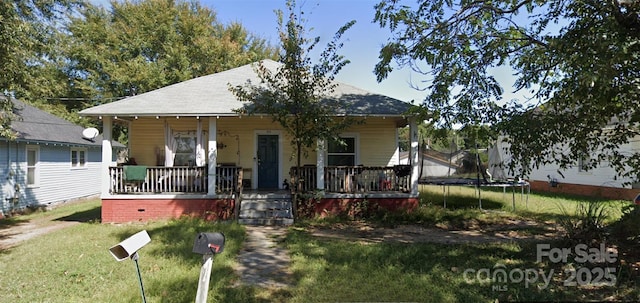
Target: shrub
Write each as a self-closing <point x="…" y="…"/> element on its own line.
<point x="627" y="228"/>
<point x="306" y="204"/>
<point x="588" y="222"/>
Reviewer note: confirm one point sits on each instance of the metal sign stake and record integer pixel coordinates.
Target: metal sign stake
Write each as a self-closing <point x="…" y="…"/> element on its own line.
<point x="135" y="257"/>
<point x="128" y="248"/>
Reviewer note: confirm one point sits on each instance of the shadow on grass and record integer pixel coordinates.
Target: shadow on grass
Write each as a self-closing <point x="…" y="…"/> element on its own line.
<point x="546" y="217"/>
<point x="185" y="290"/>
<point x="418" y="272"/>
<point x="387" y="272"/>
<point x="6" y="232"/>
<point x="11" y="222"/>
<point x="459" y="201"/>
<point x="174" y="241"/>
<point x="90" y="215"/>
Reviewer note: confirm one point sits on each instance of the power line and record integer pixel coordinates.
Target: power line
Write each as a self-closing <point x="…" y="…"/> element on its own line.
<point x="79" y="99"/>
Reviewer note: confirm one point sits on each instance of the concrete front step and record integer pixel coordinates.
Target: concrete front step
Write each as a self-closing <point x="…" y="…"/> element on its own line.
<point x="266" y="221"/>
<point x="262" y="195"/>
<point x="265" y="210"/>
<point x="265" y="204"/>
<point x="270" y="213"/>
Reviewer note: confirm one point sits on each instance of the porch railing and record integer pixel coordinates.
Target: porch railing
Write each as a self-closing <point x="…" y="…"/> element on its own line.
<point x="182" y="179"/>
<point x="357" y="179"/>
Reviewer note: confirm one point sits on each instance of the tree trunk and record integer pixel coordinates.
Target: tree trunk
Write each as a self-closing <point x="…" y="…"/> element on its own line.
<point x="296" y="180"/>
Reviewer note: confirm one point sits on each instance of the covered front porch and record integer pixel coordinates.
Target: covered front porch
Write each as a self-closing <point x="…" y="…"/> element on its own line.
<point x="184" y="180"/>
<point x="222" y="157"/>
<point x="212" y="156"/>
<point x="195" y="153"/>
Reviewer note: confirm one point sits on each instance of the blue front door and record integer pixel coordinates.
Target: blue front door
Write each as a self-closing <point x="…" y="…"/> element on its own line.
<point x="268" y="161"/>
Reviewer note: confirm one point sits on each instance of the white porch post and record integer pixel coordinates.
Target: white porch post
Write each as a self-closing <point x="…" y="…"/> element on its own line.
<point x="212" y="155"/>
<point x="107" y="155"/>
<point x="415" y="169"/>
<point x="320" y="164"/>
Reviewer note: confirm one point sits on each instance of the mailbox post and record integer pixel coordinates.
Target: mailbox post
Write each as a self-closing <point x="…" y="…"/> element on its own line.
<point x="208" y="245"/>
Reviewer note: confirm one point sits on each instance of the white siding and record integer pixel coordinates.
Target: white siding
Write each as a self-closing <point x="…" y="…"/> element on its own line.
<point x="57" y="180"/>
<point x="9" y="177"/>
<point x="602" y="175"/>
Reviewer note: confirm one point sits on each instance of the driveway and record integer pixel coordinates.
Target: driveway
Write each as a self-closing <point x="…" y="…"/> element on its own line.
<point x="12" y="235"/>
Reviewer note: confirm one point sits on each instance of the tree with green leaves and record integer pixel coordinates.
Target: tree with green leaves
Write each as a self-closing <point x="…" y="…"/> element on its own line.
<point x="26" y="31"/>
<point x="296" y="94"/>
<point x="574" y="66"/>
<point x="138" y="46"/>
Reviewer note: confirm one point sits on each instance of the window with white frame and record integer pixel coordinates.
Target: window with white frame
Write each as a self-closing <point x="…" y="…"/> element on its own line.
<point x="342" y="154"/>
<point x="185" y="154"/>
<point x="33" y="158"/>
<point x="78" y="157"/>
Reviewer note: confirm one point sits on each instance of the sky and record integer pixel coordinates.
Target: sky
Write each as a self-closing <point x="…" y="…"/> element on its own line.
<point x="362" y="42"/>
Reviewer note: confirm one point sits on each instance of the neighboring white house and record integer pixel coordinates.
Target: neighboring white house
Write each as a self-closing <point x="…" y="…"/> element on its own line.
<point x="601" y="181"/>
<point x="49" y="162"/>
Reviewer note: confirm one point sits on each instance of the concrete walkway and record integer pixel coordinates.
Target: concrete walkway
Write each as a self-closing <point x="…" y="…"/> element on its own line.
<point x="261" y="262"/>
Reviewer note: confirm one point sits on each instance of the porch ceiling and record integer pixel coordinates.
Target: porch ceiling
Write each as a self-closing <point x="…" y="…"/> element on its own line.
<point x="210" y="96"/>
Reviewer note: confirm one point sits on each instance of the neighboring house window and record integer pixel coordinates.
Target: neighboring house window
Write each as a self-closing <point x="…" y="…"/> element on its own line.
<point x="78" y="157"/>
<point x="185" y="154"/>
<point x="342" y="154"/>
<point x="33" y="158"/>
<point x="583" y="164"/>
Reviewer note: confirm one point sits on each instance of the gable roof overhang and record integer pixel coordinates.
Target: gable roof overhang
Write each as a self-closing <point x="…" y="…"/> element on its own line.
<point x="37" y="126"/>
<point x="210" y="96"/>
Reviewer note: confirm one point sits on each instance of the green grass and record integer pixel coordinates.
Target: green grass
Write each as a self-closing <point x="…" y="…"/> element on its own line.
<point x="511" y="203"/>
<point x="432" y="272"/>
<point x="341" y="271"/>
<point x="74" y="264"/>
<point x="344" y="271"/>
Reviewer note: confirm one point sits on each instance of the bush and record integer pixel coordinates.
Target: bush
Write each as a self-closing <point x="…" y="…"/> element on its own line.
<point x="306" y="204"/>
<point x="588" y="222"/>
<point x="627" y="228"/>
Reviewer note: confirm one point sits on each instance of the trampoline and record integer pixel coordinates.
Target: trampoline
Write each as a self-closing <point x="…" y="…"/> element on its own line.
<point x="473" y="168"/>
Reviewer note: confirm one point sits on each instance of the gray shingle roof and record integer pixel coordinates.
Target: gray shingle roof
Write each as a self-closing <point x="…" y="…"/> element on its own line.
<point x="210" y="96"/>
<point x="37" y="125"/>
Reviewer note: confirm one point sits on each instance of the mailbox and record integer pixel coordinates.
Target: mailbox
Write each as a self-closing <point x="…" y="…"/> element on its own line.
<point x="208" y="243"/>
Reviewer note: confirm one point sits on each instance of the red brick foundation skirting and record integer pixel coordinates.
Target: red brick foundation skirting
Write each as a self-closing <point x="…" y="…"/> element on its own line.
<point x="586" y="190"/>
<point x="131" y="210"/>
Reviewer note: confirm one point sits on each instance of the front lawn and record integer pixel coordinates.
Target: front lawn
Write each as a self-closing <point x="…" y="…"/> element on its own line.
<point x="340" y="270"/>
<point x="74" y="264"/>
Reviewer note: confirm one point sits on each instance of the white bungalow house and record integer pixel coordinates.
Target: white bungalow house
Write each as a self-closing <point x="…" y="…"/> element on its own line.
<point x="50" y="161"/>
<point x="196" y="156"/>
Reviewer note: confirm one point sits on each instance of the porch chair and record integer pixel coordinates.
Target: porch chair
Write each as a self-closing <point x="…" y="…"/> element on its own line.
<point x="134" y="177"/>
<point x="384" y="184"/>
